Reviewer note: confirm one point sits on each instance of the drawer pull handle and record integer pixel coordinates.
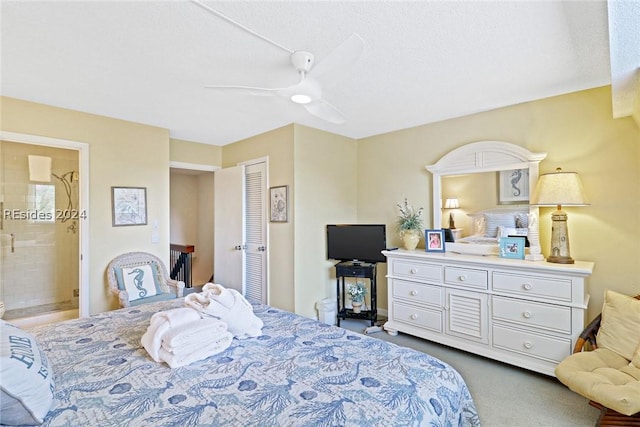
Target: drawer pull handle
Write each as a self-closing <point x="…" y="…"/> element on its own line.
<point x="414" y="316"/>
<point x="414" y="271"/>
<point x="413" y="293"/>
<point x="462" y="278"/>
<point x="527" y="314"/>
<point x="527" y="286"/>
<point x="528" y="345"/>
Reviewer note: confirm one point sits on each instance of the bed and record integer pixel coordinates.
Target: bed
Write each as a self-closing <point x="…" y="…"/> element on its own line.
<point x="299" y="372"/>
<point x="487" y="226"/>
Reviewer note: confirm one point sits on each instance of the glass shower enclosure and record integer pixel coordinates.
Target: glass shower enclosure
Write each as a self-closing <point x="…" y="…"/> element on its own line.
<point x="39" y="230"/>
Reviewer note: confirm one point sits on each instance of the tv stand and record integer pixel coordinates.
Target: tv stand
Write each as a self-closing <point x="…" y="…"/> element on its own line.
<point x="356" y="269"/>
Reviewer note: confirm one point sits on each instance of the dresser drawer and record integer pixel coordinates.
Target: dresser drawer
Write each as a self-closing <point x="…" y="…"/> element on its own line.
<point x="421" y="317"/>
<point x="417" y="292"/>
<point x="532" y="286"/>
<point x="466" y="277"/>
<point x="418" y="271"/>
<point x="541" y="347"/>
<point x="540" y="315"/>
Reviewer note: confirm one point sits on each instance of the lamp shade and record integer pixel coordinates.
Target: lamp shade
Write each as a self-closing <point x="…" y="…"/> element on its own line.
<point x="452" y="203"/>
<point x="559" y="188"/>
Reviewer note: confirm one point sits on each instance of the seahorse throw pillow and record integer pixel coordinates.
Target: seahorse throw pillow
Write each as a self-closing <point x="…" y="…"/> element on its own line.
<point x="139" y="282"/>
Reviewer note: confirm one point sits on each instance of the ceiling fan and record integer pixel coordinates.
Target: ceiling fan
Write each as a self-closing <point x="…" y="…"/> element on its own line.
<point x="313" y="78"/>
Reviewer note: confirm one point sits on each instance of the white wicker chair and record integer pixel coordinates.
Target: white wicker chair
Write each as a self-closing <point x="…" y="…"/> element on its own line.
<point x="169" y="288"/>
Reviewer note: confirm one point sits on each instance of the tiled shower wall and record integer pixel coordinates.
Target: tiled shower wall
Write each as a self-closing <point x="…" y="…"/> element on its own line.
<point x="43" y="268"/>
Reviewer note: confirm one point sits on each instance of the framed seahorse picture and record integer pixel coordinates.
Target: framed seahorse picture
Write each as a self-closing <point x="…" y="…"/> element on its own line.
<point x="513" y="186"/>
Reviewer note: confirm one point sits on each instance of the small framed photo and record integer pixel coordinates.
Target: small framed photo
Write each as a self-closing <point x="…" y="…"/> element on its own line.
<point x="279" y="203"/>
<point x="513" y="186"/>
<point x="128" y="206"/>
<point x="434" y="240"/>
<point x="512" y="247"/>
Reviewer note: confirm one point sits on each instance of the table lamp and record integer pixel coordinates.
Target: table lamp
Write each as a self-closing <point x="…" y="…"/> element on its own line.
<point x="557" y="189"/>
<point x="452" y="203"/>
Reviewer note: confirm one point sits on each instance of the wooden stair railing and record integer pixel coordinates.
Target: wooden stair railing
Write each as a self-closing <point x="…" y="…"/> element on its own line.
<point x="181" y="263"/>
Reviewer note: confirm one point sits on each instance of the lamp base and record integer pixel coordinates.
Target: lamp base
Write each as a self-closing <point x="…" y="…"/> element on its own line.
<point x="561" y="259"/>
<point x="560" y="253"/>
<point x="533" y="257"/>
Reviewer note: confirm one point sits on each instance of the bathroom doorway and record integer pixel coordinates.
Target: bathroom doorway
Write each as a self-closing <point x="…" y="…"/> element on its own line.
<point x="40" y="232"/>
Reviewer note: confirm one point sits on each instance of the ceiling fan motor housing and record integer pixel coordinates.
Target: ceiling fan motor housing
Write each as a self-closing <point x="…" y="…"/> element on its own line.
<point x="302" y="60"/>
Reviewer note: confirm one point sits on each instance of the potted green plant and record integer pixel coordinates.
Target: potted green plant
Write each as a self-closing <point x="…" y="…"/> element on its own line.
<point x="357" y="292"/>
<point x="409" y="225"/>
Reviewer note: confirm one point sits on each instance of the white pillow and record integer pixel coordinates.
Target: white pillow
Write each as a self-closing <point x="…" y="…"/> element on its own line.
<point x="26" y="380"/>
<point x="493" y="220"/>
<point x="478" y="224"/>
<point x="139" y="282"/>
<point x="522" y="220"/>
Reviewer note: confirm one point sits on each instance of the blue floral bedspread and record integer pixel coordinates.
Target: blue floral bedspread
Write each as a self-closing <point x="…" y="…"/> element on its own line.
<point x="298" y="373"/>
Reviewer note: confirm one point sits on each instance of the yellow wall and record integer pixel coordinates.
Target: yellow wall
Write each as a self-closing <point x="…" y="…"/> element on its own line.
<point x="194" y="152"/>
<point x="578" y="133"/>
<point x="277" y="145"/>
<point x="121" y="153"/>
<point x="327" y="185"/>
<point x="325" y="193"/>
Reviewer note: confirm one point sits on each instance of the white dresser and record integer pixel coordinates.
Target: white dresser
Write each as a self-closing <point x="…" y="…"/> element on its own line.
<point x="525" y="313"/>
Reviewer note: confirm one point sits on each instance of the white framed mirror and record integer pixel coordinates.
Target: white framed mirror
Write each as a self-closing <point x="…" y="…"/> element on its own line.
<point x="496" y="161"/>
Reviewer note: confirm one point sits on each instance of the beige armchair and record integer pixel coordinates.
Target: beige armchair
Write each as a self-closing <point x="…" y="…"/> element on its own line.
<point x="609" y="374"/>
<point x="139" y="278"/>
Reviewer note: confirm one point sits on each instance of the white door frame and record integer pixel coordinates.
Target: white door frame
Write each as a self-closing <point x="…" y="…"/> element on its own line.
<point x="83" y="170"/>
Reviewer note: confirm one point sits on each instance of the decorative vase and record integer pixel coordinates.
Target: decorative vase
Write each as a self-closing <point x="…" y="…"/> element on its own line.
<point x="410" y="239"/>
<point x="357" y="306"/>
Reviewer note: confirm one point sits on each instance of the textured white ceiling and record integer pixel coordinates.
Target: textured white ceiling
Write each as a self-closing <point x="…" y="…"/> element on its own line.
<point x="148" y="61"/>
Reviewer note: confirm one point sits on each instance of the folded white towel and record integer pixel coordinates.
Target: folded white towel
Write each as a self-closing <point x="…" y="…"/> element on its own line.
<point x="212" y="346"/>
<point x="181" y="339"/>
<point x="162" y="322"/>
<point x="177" y="316"/>
<point x="239" y="317"/>
<point x="188" y="348"/>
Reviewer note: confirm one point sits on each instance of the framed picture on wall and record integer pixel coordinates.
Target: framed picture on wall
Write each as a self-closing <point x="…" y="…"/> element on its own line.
<point x="279" y="203"/>
<point x="513" y="186"/>
<point x="128" y="206"/>
<point x="434" y="240"/>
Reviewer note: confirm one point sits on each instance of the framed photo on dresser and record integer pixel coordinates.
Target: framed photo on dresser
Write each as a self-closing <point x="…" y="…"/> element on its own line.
<point x="512" y="247"/>
<point x="434" y="240"/>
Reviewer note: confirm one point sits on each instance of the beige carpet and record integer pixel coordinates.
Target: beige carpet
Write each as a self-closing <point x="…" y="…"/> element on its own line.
<point x="504" y="395"/>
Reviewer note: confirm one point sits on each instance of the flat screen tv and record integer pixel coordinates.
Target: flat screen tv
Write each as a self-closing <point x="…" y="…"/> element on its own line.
<point x="356" y="242"/>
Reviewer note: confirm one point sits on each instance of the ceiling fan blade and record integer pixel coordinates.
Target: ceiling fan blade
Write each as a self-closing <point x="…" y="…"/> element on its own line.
<point x="325" y="111"/>
<point x="259" y="91"/>
<point x="336" y="65"/>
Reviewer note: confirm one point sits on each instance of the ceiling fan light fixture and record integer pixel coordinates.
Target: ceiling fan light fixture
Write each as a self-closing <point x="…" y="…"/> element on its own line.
<point x="301" y="98"/>
<point x="305" y="92"/>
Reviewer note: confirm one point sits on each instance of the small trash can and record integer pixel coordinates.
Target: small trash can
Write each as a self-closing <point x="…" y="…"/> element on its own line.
<point x="327" y="311"/>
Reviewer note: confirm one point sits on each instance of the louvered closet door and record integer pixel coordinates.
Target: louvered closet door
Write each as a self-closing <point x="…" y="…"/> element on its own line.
<point x="255" y="267"/>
